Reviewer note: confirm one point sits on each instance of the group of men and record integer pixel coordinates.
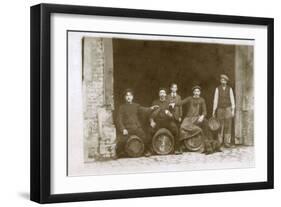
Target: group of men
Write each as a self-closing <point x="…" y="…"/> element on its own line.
<point x="166" y="112"/>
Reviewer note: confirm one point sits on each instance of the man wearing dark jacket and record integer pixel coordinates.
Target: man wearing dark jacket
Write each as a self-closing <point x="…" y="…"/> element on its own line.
<point x="163" y="118"/>
<point x="174" y="97"/>
<point x="128" y="122"/>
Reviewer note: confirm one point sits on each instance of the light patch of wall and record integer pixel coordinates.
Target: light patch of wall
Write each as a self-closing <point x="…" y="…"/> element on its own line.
<point x="244" y="117"/>
<point x="99" y="130"/>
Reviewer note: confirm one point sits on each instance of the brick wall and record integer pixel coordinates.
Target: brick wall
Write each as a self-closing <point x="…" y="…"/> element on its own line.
<point x="99" y="130"/>
<point x="244" y="117"/>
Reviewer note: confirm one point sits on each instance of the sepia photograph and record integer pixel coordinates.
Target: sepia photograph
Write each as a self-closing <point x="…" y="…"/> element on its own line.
<point x="130" y="103"/>
<point x="160" y="104"/>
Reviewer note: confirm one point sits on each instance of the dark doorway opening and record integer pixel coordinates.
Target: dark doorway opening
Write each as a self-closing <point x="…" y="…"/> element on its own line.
<point x="145" y="66"/>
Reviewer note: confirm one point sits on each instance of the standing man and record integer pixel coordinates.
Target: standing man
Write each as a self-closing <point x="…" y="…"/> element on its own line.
<point x="173" y="97"/>
<point x="128" y="122"/>
<point x="163" y="118"/>
<point x="224" y="109"/>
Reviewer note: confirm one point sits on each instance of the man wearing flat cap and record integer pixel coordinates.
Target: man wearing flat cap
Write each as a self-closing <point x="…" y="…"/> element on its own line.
<point x="195" y="121"/>
<point x="224" y="110"/>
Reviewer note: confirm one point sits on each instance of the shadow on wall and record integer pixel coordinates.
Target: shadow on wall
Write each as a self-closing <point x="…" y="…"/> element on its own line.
<point x="145" y="66"/>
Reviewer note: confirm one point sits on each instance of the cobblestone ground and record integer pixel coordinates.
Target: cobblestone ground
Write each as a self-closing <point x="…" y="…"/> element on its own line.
<point x="238" y="157"/>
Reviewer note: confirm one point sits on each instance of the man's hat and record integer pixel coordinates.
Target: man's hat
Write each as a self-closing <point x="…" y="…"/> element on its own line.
<point x="196" y="87"/>
<point x="223" y="76"/>
<point x="162" y="89"/>
<point x="128" y="90"/>
<point x="214" y="124"/>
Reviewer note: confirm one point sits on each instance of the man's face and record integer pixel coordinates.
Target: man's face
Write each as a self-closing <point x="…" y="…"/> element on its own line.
<point x="223" y="81"/>
<point x="162" y="94"/>
<point x="129" y="97"/>
<point x="174" y="88"/>
<point x="196" y="92"/>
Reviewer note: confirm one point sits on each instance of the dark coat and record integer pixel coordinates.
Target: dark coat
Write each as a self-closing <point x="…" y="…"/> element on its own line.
<point x="159" y="114"/>
<point x="128" y="116"/>
<point x="177" y="112"/>
<point x="162" y="119"/>
<point x="196" y="106"/>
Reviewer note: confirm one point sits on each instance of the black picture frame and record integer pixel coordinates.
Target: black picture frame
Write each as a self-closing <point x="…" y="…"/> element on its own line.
<point x="41" y="102"/>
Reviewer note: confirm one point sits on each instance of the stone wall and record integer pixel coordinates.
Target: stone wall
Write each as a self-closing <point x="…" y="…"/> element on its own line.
<point x="99" y="130"/>
<point x="244" y="119"/>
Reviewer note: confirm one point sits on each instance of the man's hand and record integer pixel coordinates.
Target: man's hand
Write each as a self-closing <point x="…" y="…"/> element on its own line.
<point x="172" y="105"/>
<point x="179" y="119"/>
<point x="214" y="113"/>
<point x="125" y="132"/>
<point x="152" y="123"/>
<point x="168" y="113"/>
<point x="233" y="112"/>
<point x="201" y="118"/>
<point x="154" y="107"/>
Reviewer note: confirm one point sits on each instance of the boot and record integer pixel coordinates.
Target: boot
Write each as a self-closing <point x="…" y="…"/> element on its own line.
<point x="220" y="140"/>
<point x="216" y="146"/>
<point x="208" y="148"/>
<point x="178" y="151"/>
<point x="227" y="140"/>
<point x="147" y="154"/>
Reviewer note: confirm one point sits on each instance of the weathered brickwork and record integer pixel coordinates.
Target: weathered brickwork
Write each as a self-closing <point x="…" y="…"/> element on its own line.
<point x="99" y="130"/>
<point x="244" y="118"/>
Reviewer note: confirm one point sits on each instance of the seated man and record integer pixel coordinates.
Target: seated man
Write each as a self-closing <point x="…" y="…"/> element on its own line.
<point x="195" y="121"/>
<point x="163" y="118"/>
<point x="128" y="123"/>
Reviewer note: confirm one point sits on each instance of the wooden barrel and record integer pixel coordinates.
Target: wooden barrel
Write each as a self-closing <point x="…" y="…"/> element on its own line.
<point x="194" y="143"/>
<point x="134" y="146"/>
<point x="163" y="142"/>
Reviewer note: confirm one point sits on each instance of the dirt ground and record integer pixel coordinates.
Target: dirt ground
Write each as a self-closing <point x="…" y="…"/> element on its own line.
<point x="229" y="158"/>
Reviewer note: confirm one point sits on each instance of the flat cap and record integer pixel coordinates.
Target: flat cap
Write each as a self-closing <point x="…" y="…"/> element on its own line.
<point x="196" y="87"/>
<point x="163" y="89"/>
<point x="223" y="76"/>
<point x="128" y="90"/>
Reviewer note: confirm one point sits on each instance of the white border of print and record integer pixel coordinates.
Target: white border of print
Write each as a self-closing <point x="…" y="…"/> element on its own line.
<point x="61" y="183"/>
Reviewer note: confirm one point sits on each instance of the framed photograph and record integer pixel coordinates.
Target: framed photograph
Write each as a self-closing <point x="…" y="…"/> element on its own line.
<point x="132" y="103"/>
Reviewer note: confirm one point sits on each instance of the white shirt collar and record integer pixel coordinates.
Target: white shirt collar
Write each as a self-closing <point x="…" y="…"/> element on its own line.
<point x="174" y="94"/>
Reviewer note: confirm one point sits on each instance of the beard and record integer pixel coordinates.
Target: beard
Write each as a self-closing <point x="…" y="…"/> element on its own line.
<point x="162" y="98"/>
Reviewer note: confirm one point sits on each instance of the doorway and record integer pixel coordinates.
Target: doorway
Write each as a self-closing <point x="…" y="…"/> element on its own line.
<point x="145" y="66"/>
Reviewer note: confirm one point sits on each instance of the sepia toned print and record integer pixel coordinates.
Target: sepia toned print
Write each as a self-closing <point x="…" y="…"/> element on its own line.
<point x="162" y="105"/>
